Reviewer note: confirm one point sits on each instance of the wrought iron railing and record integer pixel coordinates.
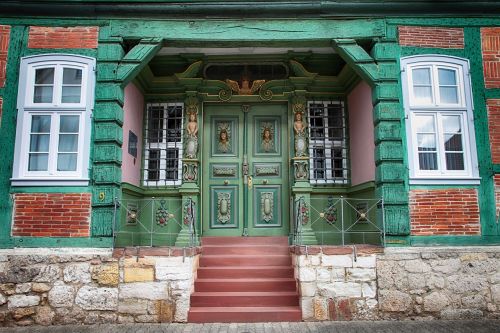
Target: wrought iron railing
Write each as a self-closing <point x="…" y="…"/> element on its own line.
<point x="338" y="221"/>
<point x="153" y="222"/>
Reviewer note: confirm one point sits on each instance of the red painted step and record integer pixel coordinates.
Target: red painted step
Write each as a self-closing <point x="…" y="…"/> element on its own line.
<point x="242" y="272"/>
<point x="252" y="284"/>
<point x="245" y="279"/>
<point x="257" y="298"/>
<point x="244" y="241"/>
<point x="247" y="249"/>
<point x="244" y="314"/>
<point x="244" y="260"/>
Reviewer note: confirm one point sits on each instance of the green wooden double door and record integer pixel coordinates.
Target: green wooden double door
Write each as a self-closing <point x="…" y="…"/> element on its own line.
<point x="245" y="188"/>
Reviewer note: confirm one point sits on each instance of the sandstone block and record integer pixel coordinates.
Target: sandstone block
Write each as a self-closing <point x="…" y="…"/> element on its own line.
<point x="19" y="314"/>
<point x="138" y="274"/>
<point x="307" y="274"/>
<point x="339" y="289"/>
<point x="310" y="260"/>
<point x="369" y="290"/>
<point x="182" y="272"/>
<point x="3" y="299"/>
<point x="181" y="309"/>
<point x="44" y="316"/>
<point x="22" y="301"/>
<point x="394" y="301"/>
<point x="446" y="266"/>
<point x="97" y="298"/>
<point x="165" y="311"/>
<point x="338" y="274"/>
<point x="144" y="290"/>
<point x="473" y="256"/>
<point x="365" y="262"/>
<point x="306" y="304"/>
<point x="320" y="309"/>
<point x="107" y="275"/>
<point x="133" y="306"/>
<point x="79" y="273"/>
<point x="125" y="319"/>
<point x="323" y="274"/>
<point x="416" y="281"/>
<point x="467" y="283"/>
<point x="435" y="302"/>
<point x="39" y="287"/>
<point x="138" y="262"/>
<point x="308" y="289"/>
<point x="61" y="295"/>
<point x="360" y="274"/>
<point x="474" y="302"/>
<point x="495" y="293"/>
<point x="336" y="261"/>
<point x="417" y="266"/>
<point x="147" y="319"/>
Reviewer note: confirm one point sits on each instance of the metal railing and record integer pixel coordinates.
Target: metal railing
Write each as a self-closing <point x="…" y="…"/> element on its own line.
<point x="153" y="221"/>
<point x="338" y="221"/>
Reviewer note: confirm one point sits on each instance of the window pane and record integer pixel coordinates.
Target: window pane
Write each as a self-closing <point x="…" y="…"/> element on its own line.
<point x="455" y="161"/>
<point x="155" y="124"/>
<point x="316" y="121"/>
<point x="423" y="94"/>
<point x="40" y="124"/>
<point x="422" y="76"/>
<point x="172" y="164"/>
<point x="69" y="124"/>
<point x="427" y="161"/>
<point x="424" y="124"/>
<point x="452" y="124"/>
<point x="174" y="123"/>
<point x="68" y="143"/>
<point x="72" y="76"/>
<point x="44" y="76"/>
<point x="154" y="165"/>
<point x="43" y="94"/>
<point x="39" y="142"/>
<point x="449" y="95"/>
<point x="38" y="162"/>
<point x="447" y="77"/>
<point x="66" y="162"/>
<point x="426" y="142"/>
<point x="71" y="94"/>
<point x="319" y="163"/>
<point x="453" y="142"/>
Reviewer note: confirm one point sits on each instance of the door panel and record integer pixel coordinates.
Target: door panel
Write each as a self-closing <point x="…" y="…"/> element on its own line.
<point x="238" y="200"/>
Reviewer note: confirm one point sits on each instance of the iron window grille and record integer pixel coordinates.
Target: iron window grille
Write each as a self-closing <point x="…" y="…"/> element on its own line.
<point x="163" y="144"/>
<point x="328" y="149"/>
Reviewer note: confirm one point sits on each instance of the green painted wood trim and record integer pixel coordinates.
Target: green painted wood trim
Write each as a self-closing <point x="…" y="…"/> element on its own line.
<point x="105" y="242"/>
<point x="454" y="240"/>
<point x="132" y="189"/>
<point x="362" y="63"/>
<point x="496" y="168"/>
<point x="329" y="190"/>
<point x="484" y="20"/>
<point x="492" y="93"/>
<point x="49" y="189"/>
<point x="487" y="205"/>
<point x="18" y="42"/>
<point x="362" y="187"/>
<point x="137" y="58"/>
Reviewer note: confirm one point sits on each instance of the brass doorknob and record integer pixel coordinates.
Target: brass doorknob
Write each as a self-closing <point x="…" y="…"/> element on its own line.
<point x="264" y="182"/>
<point x="226" y="182"/>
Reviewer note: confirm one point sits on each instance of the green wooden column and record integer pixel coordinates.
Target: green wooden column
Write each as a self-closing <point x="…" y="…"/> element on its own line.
<point x="190" y="189"/>
<point x="115" y="69"/>
<point x="301" y="188"/>
<point x="380" y="70"/>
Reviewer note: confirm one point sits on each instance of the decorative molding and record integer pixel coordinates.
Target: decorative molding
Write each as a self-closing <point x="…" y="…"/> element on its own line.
<point x="267" y="170"/>
<point x="267" y="206"/>
<point x="224" y="171"/>
<point x="162" y="215"/>
<point x="223" y="207"/>
<point x="190" y="171"/>
<point x="301" y="169"/>
<point x="330" y="212"/>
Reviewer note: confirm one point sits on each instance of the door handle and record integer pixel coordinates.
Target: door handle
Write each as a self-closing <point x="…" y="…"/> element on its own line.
<point x="226" y="182"/>
<point x="249" y="182"/>
<point x="264" y="182"/>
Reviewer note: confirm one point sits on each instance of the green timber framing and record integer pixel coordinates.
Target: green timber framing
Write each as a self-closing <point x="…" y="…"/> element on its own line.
<point x="340" y="24"/>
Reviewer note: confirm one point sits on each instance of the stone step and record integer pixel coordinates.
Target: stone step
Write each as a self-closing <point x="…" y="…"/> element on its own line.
<point x="244" y="314"/>
<point x="245" y="260"/>
<point x="254" y="284"/>
<point x="245" y="249"/>
<point x="272" y="240"/>
<point x="253" y="299"/>
<point x="225" y="272"/>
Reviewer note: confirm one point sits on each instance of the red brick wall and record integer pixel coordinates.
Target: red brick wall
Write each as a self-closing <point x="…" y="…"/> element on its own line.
<point x="63" y="38"/>
<point x="490" y="42"/>
<point x="51" y="215"/>
<point x="4" y="47"/>
<point x="444" y="212"/>
<point x="493" y="106"/>
<point x="443" y="38"/>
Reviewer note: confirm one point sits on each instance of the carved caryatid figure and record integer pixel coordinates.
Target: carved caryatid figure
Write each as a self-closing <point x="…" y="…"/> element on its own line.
<point x="299" y="127"/>
<point x="245" y="88"/>
<point x="192" y="135"/>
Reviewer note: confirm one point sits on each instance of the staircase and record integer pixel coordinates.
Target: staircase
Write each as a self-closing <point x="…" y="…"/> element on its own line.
<point x="245" y="279"/>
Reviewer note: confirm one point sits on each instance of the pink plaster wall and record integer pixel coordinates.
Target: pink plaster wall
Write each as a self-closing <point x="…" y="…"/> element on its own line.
<point x="361" y="131"/>
<point x="133" y="109"/>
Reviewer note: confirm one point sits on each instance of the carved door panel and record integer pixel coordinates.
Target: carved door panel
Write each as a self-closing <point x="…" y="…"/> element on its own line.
<point x="245" y="174"/>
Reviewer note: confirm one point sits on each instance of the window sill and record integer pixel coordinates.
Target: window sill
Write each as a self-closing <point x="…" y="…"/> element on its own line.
<point x="445" y="181"/>
<point x="49" y="182"/>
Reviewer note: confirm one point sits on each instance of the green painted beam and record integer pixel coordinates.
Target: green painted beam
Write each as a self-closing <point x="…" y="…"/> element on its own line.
<point x="105" y="242"/>
<point x="137" y="58"/>
<point x="454" y="240"/>
<point x="362" y="63"/>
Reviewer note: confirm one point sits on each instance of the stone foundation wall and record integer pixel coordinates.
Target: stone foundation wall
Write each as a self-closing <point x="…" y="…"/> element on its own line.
<point x="402" y="283"/>
<point x="442" y="283"/>
<point x="68" y="286"/>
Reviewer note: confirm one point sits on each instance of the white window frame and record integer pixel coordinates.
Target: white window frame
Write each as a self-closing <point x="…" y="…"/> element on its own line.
<point x="27" y="108"/>
<point x="438" y="109"/>
<point x="163" y="146"/>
